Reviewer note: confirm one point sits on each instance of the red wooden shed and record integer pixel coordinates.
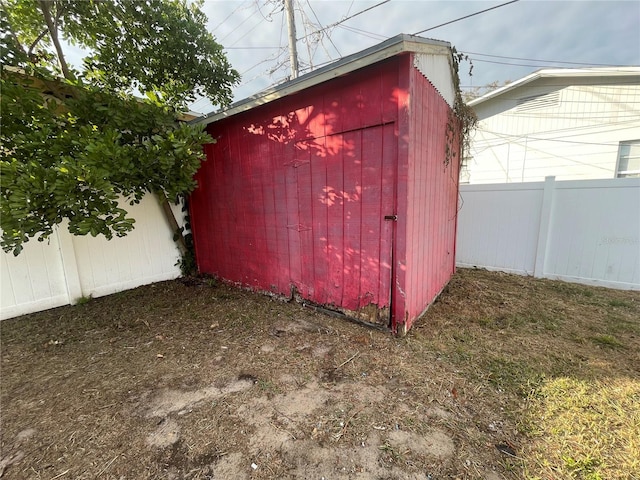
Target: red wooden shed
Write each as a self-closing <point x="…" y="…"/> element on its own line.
<point x="337" y="187"/>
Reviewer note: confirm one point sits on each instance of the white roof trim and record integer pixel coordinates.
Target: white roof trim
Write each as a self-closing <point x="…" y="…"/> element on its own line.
<point x="389" y="48"/>
<point x="559" y="72"/>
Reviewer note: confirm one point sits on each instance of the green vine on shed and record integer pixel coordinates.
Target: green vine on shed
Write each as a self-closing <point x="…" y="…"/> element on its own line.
<point x="461" y="118"/>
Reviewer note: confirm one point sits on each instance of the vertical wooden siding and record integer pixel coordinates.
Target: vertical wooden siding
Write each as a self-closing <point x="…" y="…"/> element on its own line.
<point x="431" y="200"/>
<point x="294" y="193"/>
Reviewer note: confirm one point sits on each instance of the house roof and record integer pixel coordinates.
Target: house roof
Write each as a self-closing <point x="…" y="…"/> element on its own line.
<point x="558" y="73"/>
<point x="396" y="45"/>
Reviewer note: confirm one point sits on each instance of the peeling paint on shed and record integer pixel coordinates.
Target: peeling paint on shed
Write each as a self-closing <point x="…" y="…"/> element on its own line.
<point x="335" y="188"/>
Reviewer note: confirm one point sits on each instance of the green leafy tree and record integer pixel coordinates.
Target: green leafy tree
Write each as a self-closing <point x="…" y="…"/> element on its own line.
<point x="75" y="142"/>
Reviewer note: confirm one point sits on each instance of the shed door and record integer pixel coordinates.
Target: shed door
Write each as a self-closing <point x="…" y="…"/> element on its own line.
<point x="345" y="187"/>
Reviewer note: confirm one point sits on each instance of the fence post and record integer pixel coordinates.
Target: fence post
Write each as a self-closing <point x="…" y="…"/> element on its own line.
<point x="545" y="226"/>
<point x="69" y="263"/>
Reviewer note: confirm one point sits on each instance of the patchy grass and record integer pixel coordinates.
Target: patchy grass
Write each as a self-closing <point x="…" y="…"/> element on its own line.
<point x="505" y="377"/>
<point x="584" y="429"/>
<point x="607" y="341"/>
<point x="566" y="359"/>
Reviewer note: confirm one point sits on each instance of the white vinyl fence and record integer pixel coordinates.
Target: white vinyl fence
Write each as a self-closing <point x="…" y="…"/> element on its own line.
<point x="584" y="231"/>
<point x="65" y="268"/>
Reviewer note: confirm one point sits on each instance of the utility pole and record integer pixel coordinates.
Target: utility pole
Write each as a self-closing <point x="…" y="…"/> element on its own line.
<point x="293" y="50"/>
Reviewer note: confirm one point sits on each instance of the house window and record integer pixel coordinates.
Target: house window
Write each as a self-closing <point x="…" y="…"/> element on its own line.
<point x="629" y="159"/>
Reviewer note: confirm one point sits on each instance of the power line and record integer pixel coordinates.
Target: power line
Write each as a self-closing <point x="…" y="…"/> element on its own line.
<point x="241" y="23"/>
<point x="321" y="31"/>
<point x="328" y="34"/>
<point x="621" y="103"/>
<point x="466" y="16"/>
<point x="281" y="30"/>
<point x="320" y="64"/>
<point x="251" y="48"/>
<point x="564" y="116"/>
<point x="613" y="143"/>
<point x="273" y="57"/>
<point x="568" y="132"/>
<point x="269" y="17"/>
<point x="372" y="35"/>
<point x="350" y="6"/>
<point x="305" y="21"/>
<point x="228" y="16"/>
<point x="248" y="31"/>
<point x="537" y="60"/>
<point x="615" y="88"/>
<point x="535" y="66"/>
<point x="349" y="18"/>
<point x="547" y="154"/>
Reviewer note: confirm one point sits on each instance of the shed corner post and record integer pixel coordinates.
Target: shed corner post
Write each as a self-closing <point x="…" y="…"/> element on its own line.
<point x="399" y="289"/>
<point x="401" y="330"/>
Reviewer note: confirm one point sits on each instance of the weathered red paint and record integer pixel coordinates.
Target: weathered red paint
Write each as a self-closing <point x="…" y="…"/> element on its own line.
<point x="295" y="192"/>
<point x="432" y="199"/>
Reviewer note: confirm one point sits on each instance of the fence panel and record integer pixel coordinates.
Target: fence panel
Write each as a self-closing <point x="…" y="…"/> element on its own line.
<point x="147" y="254"/>
<point x="34" y="280"/>
<point x="498" y="226"/>
<point x="594" y="232"/>
<point x="585" y="231"/>
<point x="58" y="272"/>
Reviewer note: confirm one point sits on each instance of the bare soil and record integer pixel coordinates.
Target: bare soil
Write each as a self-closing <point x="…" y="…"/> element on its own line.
<point x="192" y="379"/>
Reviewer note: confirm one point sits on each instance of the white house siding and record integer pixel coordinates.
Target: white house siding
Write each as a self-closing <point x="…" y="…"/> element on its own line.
<point x="65" y="267"/>
<point x="572" y="131"/>
<point x="584" y="231"/>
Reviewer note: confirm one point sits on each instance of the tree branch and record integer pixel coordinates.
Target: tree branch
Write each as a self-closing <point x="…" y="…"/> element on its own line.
<point x="59" y="12"/>
<point x="53" y="32"/>
<point x="36" y="41"/>
<point x="173" y="223"/>
<point x="46" y="30"/>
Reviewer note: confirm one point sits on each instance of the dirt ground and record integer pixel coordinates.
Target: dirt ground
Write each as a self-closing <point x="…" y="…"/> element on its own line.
<point x="192" y="379"/>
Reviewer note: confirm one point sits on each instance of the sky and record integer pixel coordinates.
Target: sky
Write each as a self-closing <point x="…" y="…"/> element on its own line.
<point x="503" y="44"/>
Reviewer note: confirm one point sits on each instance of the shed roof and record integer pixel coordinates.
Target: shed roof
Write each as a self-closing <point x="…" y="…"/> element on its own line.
<point x="393" y="46"/>
<point x="558" y="73"/>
